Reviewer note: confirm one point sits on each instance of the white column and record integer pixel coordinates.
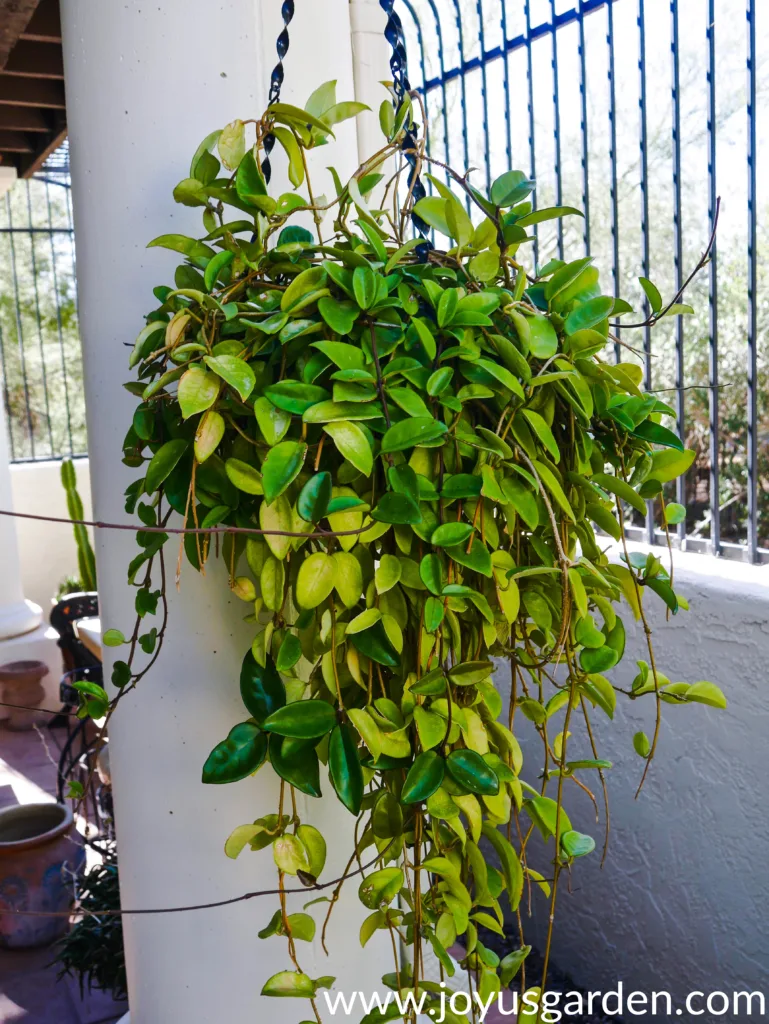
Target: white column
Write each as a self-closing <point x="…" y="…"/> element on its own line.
<point x="370" y="61"/>
<point x="145" y="83"/>
<point x="17" y="616"/>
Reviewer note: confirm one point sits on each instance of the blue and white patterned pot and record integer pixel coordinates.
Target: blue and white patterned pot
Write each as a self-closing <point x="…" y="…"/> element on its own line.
<point x="40" y="850"/>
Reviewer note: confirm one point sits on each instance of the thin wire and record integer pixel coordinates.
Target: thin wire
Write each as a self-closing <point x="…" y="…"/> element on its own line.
<point x="317" y="887"/>
<point x="184" y="530"/>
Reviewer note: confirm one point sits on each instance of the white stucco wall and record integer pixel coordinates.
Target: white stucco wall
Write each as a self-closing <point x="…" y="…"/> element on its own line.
<point x="682" y="903"/>
<point x="47" y="550"/>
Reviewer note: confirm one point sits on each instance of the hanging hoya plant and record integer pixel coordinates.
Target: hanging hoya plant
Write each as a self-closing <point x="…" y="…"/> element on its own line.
<point x="414" y="458"/>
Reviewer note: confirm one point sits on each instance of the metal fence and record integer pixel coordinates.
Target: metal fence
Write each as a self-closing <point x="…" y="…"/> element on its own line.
<point x="642" y="112"/>
<point x="40" y="355"/>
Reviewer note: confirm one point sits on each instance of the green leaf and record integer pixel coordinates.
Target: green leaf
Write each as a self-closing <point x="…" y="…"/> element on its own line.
<point x="239" y="755"/>
<point x="302" y="720"/>
<point x="189" y="247"/>
<point x="469" y="672"/>
<point x="282" y="465"/>
<point x="289" y="854"/>
<point x="434" y="612"/>
<point x="510" y="188"/>
<point x="576" y="844"/>
<point x="294" y="397"/>
<point x="232" y="144"/>
<point x="315" y="845"/>
<point x="511" y="964"/>
<point x="289" y="984"/>
<point x="375" y="644"/>
<point x="352" y="444"/>
<point x="541" y="428"/>
<point x="236" y="372"/>
<point x="305" y="283"/>
<point x="290" y="650"/>
<point x="215" y="267"/>
<point x="449" y="534"/>
<point x="113" y="638"/>
<point x="509" y="861"/>
<point x="365" y="287"/>
<point x="652" y="294"/>
<point x="665" y="591"/>
<point x="668" y="465"/>
<point x="345" y="768"/>
<point x="272" y="422"/>
<point x="312" y="503"/>
<point x="587" y="314"/>
<point x="387" y="573"/>
<point x="657" y="434"/>
<point x="551" y="483"/>
<point x="162" y="462"/>
<point x="424" y="777"/>
<point x="641" y="744"/>
<point x="339" y="315"/>
<point x="315" y="579"/>
<point x="543" y="341"/>
<point x="706" y="693"/>
<point x="468" y="768"/>
<point x="548" y="213"/>
<point x="623" y="490"/>
<point x="675" y="513"/>
<point x="379" y="889"/>
<point x="301" y="769"/>
<point x="249" y="181"/>
<point x="397" y="508"/>
<point x="261" y="688"/>
<point x="294" y="153"/>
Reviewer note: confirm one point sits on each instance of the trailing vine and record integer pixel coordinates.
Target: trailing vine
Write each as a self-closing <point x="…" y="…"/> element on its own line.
<point x="401" y="452"/>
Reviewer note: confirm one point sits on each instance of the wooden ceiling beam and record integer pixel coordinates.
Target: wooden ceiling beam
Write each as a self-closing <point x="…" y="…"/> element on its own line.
<point x="15" y="142"/>
<point x="15" y="15"/>
<point x="24" y="119"/>
<point x="35" y="60"/>
<point x="31" y="92"/>
<point x="26" y="166"/>
<point x="45" y="24"/>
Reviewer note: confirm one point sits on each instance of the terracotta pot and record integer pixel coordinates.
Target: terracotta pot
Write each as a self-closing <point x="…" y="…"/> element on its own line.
<point x="21" y="681"/>
<point x="39" y="851"/>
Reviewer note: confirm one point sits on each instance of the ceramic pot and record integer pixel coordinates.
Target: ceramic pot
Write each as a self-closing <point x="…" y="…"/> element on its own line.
<point x="39" y="851"/>
<point x="21" y="681"/>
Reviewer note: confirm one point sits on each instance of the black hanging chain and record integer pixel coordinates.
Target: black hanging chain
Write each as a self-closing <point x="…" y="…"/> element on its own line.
<point x="399" y="68"/>
<point x="276" y="81"/>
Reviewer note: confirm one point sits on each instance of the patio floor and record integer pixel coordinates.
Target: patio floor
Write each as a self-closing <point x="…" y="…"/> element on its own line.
<point x="29" y="990"/>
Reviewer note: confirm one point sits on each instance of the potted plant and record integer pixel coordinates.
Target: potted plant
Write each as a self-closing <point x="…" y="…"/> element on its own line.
<point x="402" y="449"/>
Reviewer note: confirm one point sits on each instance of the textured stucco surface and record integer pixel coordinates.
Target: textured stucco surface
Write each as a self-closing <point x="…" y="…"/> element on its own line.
<point x="682" y="903"/>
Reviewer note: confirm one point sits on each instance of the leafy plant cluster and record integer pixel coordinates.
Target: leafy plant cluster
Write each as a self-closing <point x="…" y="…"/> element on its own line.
<point x="404" y="454"/>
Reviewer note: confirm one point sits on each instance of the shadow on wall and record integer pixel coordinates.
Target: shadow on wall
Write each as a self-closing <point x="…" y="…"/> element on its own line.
<point x="683" y="899"/>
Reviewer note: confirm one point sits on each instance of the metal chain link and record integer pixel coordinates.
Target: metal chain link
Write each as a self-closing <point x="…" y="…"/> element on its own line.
<point x="276" y="81"/>
<point x="399" y="68"/>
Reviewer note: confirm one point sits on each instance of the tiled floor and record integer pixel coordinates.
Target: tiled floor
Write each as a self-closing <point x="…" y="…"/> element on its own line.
<point x="29" y="991"/>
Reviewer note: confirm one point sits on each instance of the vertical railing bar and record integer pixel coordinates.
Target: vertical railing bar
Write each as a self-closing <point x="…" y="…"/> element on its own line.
<point x="19" y="327"/>
<point x="713" y="410"/>
<point x="613" y="159"/>
<point x="557" y="128"/>
<point x="39" y="321"/>
<point x="752" y="368"/>
<point x="6" y="396"/>
<point x="59" y="326"/>
<point x="484" y="96"/>
<point x="641" y="21"/>
<point x="463" y="87"/>
<point x="583" y="130"/>
<point x="441" y="61"/>
<point x="532" y="146"/>
<point x="680" y="403"/>
<point x="506" y="59"/>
